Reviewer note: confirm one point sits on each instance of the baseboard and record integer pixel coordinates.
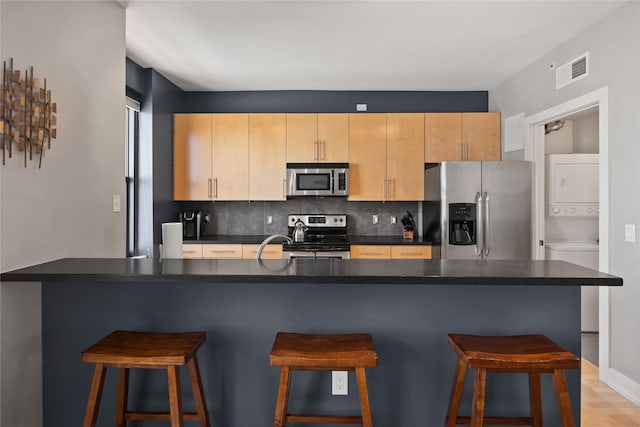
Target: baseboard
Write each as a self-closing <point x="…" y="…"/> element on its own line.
<point x="621" y="384"/>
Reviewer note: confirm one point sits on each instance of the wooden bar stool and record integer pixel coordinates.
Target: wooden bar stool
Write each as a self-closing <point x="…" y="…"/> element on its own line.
<point x="127" y="349"/>
<point x="351" y="352"/>
<point x="532" y="354"/>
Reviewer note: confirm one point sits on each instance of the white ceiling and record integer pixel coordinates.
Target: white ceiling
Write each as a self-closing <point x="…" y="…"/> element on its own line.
<point x="349" y="45"/>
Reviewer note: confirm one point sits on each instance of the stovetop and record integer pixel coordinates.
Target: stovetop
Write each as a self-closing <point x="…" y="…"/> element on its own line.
<point x="325" y="233"/>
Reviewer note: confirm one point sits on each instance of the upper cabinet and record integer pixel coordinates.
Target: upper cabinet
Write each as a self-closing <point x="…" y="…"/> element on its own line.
<point x="192" y="157"/>
<point x="267" y="156"/>
<point x="386" y="153"/>
<point x="315" y="138"/>
<point x="405" y="154"/>
<point x="210" y="155"/>
<point x="230" y="156"/>
<point x="462" y="136"/>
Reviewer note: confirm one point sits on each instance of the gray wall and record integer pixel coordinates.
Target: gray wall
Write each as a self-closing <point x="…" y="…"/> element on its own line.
<point x="65" y="208"/>
<point x="614" y="48"/>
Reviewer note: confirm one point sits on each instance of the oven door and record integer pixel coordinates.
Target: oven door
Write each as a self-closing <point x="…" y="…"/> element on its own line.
<point x="316" y="254"/>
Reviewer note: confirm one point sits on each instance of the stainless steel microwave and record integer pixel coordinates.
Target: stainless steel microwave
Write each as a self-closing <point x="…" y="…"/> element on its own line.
<point x="317" y="179"/>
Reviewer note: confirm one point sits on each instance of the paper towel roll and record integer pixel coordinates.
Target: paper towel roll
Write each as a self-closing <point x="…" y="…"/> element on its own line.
<point x="171" y="240"/>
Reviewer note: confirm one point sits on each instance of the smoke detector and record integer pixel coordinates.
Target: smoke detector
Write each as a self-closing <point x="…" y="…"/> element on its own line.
<point x="572" y="71"/>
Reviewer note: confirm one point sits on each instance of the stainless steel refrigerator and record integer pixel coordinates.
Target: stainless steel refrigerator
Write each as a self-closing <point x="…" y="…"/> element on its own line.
<point x="479" y="210"/>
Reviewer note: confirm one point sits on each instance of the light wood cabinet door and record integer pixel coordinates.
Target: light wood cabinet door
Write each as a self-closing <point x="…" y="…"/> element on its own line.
<point x="273" y="251"/>
<point x="462" y="136"/>
<point x="221" y="250"/>
<point x="302" y="138"/>
<point x="267" y="156"/>
<point x="481" y="136"/>
<point x="317" y="138"/>
<point x="192" y="157"/>
<point x="230" y="156"/>
<point x="405" y="157"/>
<point x="442" y="137"/>
<point x="333" y="138"/>
<point x="370" y="252"/>
<point x="410" y="252"/>
<point x="191" y="250"/>
<point x="367" y="156"/>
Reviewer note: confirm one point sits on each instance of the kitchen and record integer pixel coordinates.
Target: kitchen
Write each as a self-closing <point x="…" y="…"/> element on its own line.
<point x="55" y="227"/>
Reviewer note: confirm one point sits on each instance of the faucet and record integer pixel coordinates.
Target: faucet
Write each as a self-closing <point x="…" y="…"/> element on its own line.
<point x="268" y="239"/>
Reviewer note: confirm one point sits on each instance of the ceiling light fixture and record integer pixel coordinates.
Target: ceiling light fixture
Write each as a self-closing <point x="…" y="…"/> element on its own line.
<point x="553" y="126"/>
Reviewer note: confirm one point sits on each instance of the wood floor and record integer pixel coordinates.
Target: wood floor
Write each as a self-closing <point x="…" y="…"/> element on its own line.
<point x="603" y="407"/>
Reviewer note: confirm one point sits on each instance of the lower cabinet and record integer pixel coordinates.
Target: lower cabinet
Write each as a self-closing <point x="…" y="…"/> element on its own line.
<point x="269" y="252"/>
<point x="191" y="250"/>
<point x="229" y="251"/>
<point x="390" y="252"/>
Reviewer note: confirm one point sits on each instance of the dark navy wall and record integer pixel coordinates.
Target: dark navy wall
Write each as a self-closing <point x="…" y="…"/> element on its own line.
<point x="309" y="101"/>
<point x="134" y="80"/>
<point x="409" y="323"/>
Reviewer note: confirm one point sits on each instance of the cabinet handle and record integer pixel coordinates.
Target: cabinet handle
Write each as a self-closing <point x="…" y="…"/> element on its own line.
<point x="209" y="188"/>
<point x="371" y="253"/>
<point x="467" y="150"/>
<point x="320" y="150"/>
<point x="215" y="188"/>
<point x="220" y="251"/>
<point x="315" y="150"/>
<point x="284" y="188"/>
<point x="460" y="156"/>
<point x="384" y="188"/>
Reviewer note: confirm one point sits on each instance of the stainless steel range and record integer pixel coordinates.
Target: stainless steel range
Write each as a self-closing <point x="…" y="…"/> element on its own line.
<point x="325" y="236"/>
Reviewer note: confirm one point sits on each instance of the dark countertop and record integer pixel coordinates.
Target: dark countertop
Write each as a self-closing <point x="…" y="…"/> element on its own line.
<point x="356" y="271"/>
<point x="354" y="240"/>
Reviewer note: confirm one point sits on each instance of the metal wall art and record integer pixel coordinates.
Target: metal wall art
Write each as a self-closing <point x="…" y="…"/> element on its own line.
<point x="28" y="117"/>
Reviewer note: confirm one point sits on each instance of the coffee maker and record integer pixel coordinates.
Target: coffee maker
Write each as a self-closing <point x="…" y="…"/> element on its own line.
<point x="191" y="224"/>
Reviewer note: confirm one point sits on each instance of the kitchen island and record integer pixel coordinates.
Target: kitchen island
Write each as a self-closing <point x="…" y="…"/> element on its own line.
<point x="409" y="306"/>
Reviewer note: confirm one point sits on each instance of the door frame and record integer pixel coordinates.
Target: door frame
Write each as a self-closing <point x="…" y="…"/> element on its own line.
<point x="534" y="151"/>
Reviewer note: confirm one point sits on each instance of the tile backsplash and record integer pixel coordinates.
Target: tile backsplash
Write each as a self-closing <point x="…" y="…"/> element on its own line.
<point x="250" y="218"/>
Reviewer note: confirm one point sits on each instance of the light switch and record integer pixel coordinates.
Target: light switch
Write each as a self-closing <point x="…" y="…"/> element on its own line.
<point x="630" y="233"/>
<point x="361" y="107"/>
<point x="116" y="203"/>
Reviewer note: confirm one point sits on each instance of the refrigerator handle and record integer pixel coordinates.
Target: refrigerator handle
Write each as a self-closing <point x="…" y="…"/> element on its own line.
<point x="487" y="224"/>
<point x="479" y="225"/>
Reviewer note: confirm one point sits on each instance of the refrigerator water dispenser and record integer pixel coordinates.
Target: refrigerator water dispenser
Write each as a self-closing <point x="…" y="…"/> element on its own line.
<point x="462" y="230"/>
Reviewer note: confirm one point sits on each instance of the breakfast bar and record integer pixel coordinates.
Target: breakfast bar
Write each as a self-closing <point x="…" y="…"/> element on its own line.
<point x="408" y="306"/>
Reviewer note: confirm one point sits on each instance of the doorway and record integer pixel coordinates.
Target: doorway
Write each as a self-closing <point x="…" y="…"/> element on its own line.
<point x="535" y="152"/>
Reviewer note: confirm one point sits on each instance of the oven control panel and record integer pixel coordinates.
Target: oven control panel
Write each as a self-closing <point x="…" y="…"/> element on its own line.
<point x="318" y="220"/>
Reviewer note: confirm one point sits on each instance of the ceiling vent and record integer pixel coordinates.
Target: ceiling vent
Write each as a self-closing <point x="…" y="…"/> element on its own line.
<point x="572" y="71"/>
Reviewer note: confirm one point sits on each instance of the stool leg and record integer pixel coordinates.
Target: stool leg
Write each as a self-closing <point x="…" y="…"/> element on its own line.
<point x="456" y="392"/>
<point x="364" y="397"/>
<point x="123" y="393"/>
<point x="198" y="395"/>
<point x="175" y="402"/>
<point x="534" y="399"/>
<point x="283" y="397"/>
<point x="95" y="393"/>
<point x="562" y="397"/>
<point x="477" y="402"/>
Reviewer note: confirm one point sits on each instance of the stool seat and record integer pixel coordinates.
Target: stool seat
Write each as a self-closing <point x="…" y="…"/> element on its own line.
<point x="149" y="350"/>
<point x="144" y="348"/>
<point x="326" y="351"/>
<point x="531" y="354"/>
<point x="512" y="352"/>
<point x="346" y="352"/>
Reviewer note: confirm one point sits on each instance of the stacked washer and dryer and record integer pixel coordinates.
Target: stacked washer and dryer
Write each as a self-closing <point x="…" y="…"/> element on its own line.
<point x="572" y="220"/>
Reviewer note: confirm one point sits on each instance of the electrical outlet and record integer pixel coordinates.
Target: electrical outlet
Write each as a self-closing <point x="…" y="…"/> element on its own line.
<point x="375" y="219"/>
<point x="116" y="203"/>
<point x="394" y="219"/>
<point x="630" y="233"/>
<point x="339" y="383"/>
<point x="269" y="219"/>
